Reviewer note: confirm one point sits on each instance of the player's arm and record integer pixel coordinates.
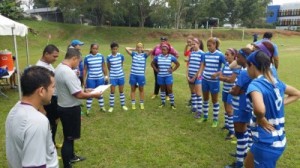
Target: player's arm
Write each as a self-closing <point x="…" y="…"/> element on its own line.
<point x="227" y="79"/>
<point x="293" y="95"/>
<point x="84" y="75"/>
<point x="129" y="50"/>
<point x="177" y="64"/>
<point x="276" y="62"/>
<point x="236" y="90"/>
<point x="154" y="64"/>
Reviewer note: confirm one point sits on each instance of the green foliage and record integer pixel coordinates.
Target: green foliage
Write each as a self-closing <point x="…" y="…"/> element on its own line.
<point x="11" y="9"/>
<point x="40" y="3"/>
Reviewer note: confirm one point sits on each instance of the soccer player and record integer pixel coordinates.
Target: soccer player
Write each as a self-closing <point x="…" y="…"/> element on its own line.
<point x="162" y="65"/>
<point x="50" y="55"/>
<point x="242" y="109"/>
<point x="137" y="74"/>
<point x="268" y="99"/>
<point x="228" y="76"/>
<point x="76" y="44"/>
<point x="212" y="62"/>
<point x="116" y="75"/>
<point x="28" y="134"/>
<point x="194" y="76"/>
<point x="69" y="92"/>
<point x="94" y="74"/>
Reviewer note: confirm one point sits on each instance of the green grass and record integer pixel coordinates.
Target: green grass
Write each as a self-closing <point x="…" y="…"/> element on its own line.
<point x="153" y="137"/>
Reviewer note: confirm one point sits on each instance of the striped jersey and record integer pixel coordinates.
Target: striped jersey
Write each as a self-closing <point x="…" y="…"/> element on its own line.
<point x="273" y="97"/>
<point x="94" y="64"/>
<point x="226" y="71"/>
<point x="240" y="102"/>
<point x="213" y="63"/>
<point x="116" y="66"/>
<point x="195" y="60"/>
<point x="138" y="65"/>
<point x="164" y="63"/>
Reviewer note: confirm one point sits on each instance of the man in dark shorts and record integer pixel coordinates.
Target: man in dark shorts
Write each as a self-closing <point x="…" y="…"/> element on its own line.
<point x="69" y="92"/>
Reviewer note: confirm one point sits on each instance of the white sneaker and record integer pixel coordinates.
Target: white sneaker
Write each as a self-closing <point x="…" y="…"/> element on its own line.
<point x="102" y="109"/>
<point x="111" y="109"/>
<point x="124" y="108"/>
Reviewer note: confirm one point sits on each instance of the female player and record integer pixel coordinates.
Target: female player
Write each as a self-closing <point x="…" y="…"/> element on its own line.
<point x="94" y="74"/>
<point x="137" y="73"/>
<point x="162" y="64"/>
<point x="268" y="100"/>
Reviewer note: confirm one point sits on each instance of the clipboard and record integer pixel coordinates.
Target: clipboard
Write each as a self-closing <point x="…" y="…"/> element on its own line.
<point x="101" y="88"/>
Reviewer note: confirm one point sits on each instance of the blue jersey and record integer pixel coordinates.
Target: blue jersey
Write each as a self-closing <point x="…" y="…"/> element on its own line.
<point x="273" y="95"/>
<point x="116" y="66"/>
<point x="138" y="65"/>
<point x="164" y="63"/>
<point x="213" y="63"/>
<point x="226" y="71"/>
<point x="195" y="61"/>
<point x="240" y="102"/>
<point x="94" y="66"/>
<point x="274" y="46"/>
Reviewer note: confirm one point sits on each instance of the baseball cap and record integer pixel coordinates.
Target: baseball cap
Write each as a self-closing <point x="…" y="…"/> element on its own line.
<point x="163" y="38"/>
<point x="77" y="42"/>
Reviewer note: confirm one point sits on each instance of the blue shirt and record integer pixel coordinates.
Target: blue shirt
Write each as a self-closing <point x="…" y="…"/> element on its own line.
<point x="226" y="71"/>
<point x="138" y="65"/>
<point x="195" y="61"/>
<point x="94" y="66"/>
<point x="273" y="95"/>
<point x="274" y="46"/>
<point x="240" y="102"/>
<point x="213" y="63"/>
<point x="116" y="66"/>
<point x="164" y="63"/>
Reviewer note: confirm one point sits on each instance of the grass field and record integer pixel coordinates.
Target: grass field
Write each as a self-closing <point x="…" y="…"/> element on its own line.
<point x="153" y="137"/>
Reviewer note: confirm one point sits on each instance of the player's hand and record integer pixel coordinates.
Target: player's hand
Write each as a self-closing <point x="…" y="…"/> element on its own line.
<point x="192" y="80"/>
<point x="214" y="76"/>
<point x="263" y="122"/>
<point x="170" y="70"/>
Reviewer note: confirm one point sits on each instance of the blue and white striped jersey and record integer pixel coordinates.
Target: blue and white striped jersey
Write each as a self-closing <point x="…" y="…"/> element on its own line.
<point x="195" y="60"/>
<point x="213" y="63"/>
<point x="164" y="63"/>
<point x="226" y="71"/>
<point x="138" y="65"/>
<point x="116" y="66"/>
<point x="273" y="97"/>
<point x="94" y="66"/>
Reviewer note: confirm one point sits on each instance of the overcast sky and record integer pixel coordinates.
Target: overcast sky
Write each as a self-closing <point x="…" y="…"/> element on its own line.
<point x="279" y="2"/>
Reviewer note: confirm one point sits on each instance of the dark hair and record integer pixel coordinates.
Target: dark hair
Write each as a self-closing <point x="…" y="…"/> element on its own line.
<point x="35" y="77"/>
<point x="72" y="52"/>
<point x="268" y="35"/>
<point x="92" y="45"/>
<point x="233" y="52"/>
<point x="262" y="63"/>
<point x="270" y="47"/>
<point x="114" y="44"/>
<point x="50" y="49"/>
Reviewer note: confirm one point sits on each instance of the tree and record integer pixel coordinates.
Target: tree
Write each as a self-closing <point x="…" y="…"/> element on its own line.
<point x="11" y="9"/>
<point x="179" y="7"/>
<point x="161" y="15"/>
<point x="40" y="3"/>
<point x="143" y="10"/>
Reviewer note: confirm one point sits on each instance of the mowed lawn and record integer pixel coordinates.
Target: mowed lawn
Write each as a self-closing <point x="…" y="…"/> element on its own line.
<point x="158" y="137"/>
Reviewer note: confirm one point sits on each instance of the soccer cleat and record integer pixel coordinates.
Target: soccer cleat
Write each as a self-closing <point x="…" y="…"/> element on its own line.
<point x="234" y="165"/>
<point x="233" y="142"/>
<point x="198" y="115"/>
<point x="58" y="146"/>
<point x="153" y="96"/>
<point x="124" y="108"/>
<point x="77" y="159"/>
<point x="173" y="107"/>
<point x="59" y="157"/>
<point x="87" y="112"/>
<point x="201" y="120"/>
<point x="102" y="109"/>
<point x="215" y="124"/>
<point x="224" y="128"/>
<point x="142" y="106"/>
<point x="229" y="136"/>
<point x="133" y="106"/>
<point x="194" y="110"/>
<point x="162" y="105"/>
<point x="167" y="98"/>
<point x="111" y="109"/>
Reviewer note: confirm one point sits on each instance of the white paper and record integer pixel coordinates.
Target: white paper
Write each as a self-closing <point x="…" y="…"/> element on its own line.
<point x="101" y="88"/>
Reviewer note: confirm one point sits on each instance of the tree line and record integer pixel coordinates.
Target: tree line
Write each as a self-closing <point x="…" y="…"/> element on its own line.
<point x="161" y="13"/>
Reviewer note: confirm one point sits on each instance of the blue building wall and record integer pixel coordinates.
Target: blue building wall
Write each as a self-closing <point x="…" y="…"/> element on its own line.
<point x="272" y="13"/>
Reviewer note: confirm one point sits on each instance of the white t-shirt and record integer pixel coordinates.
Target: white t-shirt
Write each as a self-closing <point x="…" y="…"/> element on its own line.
<point x="29" y="139"/>
<point x="67" y="85"/>
<point x="48" y="66"/>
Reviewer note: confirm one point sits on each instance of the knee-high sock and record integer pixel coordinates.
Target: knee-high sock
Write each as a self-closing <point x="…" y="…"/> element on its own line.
<point x="230" y="124"/>
<point x="101" y="101"/>
<point x="250" y="141"/>
<point x="241" y="147"/>
<point x="89" y="102"/>
<point x="112" y="100"/>
<point x="171" y="95"/>
<point x="205" y="109"/>
<point x="199" y="104"/>
<point x="194" y="101"/>
<point x="226" y="120"/>
<point x="122" y="99"/>
<point x="216" y="109"/>
<point x="163" y="97"/>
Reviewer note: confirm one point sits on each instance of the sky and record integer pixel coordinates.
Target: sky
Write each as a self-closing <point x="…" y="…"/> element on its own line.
<point x="279" y="2"/>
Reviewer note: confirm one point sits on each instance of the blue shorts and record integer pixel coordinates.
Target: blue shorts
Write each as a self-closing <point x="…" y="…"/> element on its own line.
<point x="209" y="86"/>
<point x="226" y="97"/>
<point x="241" y="116"/>
<point x="198" y="81"/>
<point x="93" y="83"/>
<point x="265" y="156"/>
<point x="168" y="80"/>
<point x="136" y="79"/>
<point x="117" y="82"/>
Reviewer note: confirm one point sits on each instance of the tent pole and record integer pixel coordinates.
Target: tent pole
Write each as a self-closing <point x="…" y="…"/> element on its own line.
<point x="17" y="61"/>
<point x="27" y="50"/>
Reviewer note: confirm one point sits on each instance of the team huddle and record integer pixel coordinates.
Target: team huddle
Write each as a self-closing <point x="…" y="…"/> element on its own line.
<point x="253" y="95"/>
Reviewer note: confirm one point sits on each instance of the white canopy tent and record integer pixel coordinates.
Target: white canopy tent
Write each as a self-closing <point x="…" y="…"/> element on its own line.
<point x="9" y="27"/>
